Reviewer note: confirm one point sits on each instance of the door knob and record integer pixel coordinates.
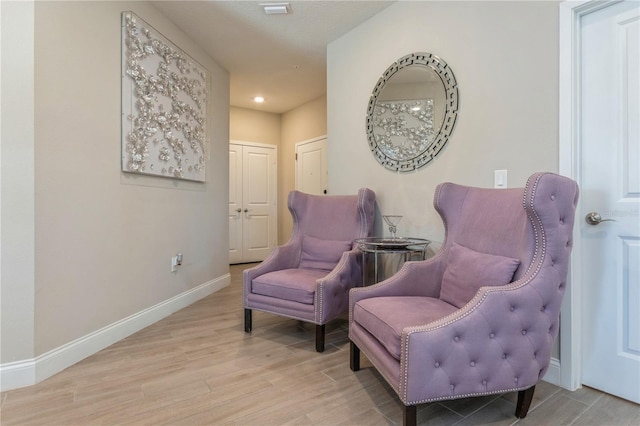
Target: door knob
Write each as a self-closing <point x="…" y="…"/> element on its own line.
<point x="238" y="210"/>
<point x="594" y="218"/>
<point x="246" y="210"/>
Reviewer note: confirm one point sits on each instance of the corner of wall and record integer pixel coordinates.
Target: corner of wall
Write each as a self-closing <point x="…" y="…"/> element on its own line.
<point x="17" y="191"/>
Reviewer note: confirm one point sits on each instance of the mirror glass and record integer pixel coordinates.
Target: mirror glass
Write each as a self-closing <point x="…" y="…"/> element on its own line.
<point x="412" y="112"/>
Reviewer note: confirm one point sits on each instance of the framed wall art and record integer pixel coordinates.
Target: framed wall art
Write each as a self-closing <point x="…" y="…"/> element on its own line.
<point x="164" y="105"/>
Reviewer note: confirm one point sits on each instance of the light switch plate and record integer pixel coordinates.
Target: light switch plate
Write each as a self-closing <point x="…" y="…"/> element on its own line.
<point x="500" y="179"/>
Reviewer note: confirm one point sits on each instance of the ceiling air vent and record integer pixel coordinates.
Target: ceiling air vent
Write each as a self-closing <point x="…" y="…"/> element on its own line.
<point x="276" y="8"/>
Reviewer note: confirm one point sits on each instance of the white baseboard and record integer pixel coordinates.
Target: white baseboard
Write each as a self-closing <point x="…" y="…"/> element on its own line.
<point x="17" y="374"/>
<point x="31" y="371"/>
<point x="553" y="372"/>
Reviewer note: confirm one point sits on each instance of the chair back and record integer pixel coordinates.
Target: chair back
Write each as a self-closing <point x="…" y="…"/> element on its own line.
<point x="507" y="222"/>
<point x="332" y="217"/>
<point x="534" y="225"/>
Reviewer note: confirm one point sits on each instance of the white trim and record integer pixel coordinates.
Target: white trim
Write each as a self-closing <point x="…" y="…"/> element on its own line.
<point x="260" y="144"/>
<point x="570" y="16"/>
<point x="31" y="371"/>
<point x="571" y="312"/>
<point x="319" y="138"/>
<point x="553" y="372"/>
<point x="17" y="374"/>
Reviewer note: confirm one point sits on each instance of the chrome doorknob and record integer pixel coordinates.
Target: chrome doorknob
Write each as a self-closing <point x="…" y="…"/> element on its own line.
<point x="594" y="218"/>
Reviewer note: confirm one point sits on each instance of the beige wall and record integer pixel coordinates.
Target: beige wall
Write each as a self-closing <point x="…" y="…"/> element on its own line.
<point x="305" y="122"/>
<point x="505" y="58"/>
<point x="104" y="239"/>
<point x="247" y="125"/>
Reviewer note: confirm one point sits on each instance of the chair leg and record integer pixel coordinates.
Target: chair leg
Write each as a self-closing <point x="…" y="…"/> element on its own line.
<point x="319" y="337"/>
<point x="354" y="357"/>
<point x="524" y="402"/>
<point x="409" y="415"/>
<point x="247" y="320"/>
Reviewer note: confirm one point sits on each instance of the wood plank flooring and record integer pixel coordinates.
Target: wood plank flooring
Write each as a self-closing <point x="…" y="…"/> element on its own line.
<point x="198" y="367"/>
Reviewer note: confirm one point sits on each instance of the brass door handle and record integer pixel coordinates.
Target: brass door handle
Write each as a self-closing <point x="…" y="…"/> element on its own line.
<point x="594" y="218"/>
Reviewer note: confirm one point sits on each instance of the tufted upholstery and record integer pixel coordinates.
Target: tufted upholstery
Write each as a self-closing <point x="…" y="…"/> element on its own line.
<point x="291" y="282"/>
<point x="501" y="339"/>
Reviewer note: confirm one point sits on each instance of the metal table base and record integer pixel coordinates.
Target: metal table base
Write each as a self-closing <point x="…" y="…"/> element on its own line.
<point x="389" y="254"/>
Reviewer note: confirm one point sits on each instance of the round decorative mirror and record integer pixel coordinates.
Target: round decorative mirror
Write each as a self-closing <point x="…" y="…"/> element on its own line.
<point x="412" y="112"/>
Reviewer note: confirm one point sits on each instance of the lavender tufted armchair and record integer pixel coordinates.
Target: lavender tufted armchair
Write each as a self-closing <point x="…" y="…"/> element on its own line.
<point x="481" y="316"/>
<point x="309" y="277"/>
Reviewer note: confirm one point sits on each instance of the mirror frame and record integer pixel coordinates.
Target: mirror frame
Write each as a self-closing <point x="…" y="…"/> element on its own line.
<point x="450" y="85"/>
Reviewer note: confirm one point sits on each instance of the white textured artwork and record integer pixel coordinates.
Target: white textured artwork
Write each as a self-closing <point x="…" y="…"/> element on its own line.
<point x="164" y="105"/>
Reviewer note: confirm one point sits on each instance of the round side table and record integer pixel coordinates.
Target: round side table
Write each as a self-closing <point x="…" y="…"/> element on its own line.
<point x="382" y="257"/>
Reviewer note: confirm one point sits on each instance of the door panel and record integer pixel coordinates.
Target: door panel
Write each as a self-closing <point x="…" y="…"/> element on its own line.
<point x="259" y="195"/>
<point x="611" y="187"/>
<point x="257" y="237"/>
<point x="311" y="167"/>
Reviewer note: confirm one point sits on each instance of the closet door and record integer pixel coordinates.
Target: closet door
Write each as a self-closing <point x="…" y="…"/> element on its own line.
<point x="252" y="202"/>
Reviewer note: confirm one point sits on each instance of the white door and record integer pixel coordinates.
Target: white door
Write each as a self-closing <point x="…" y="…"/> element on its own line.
<point x="235" y="204"/>
<point x="610" y="188"/>
<point x="311" y="166"/>
<point x="252" y="202"/>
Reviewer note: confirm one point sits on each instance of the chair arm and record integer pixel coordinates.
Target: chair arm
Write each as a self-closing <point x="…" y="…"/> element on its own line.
<point x="497" y="342"/>
<point x="286" y="256"/>
<point x="427" y="272"/>
<point x="332" y="291"/>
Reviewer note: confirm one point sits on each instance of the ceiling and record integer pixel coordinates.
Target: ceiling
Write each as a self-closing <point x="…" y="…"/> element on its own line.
<point x="279" y="57"/>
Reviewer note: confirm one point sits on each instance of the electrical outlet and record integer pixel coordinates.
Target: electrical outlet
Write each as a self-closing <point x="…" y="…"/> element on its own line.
<point x="174" y="263"/>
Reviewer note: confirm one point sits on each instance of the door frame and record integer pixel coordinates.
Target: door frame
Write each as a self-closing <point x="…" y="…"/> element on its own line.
<point x="570" y="152"/>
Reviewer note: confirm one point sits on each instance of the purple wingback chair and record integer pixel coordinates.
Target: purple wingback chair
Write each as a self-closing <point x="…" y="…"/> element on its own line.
<point x="309" y="277"/>
<point x="480" y="317"/>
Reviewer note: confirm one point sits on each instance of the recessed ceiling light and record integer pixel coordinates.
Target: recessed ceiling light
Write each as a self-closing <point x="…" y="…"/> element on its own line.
<point x="258" y="99"/>
<point x="276" y="8"/>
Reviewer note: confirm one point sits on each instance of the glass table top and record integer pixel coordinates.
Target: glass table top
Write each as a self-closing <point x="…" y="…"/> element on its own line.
<point x="386" y="243"/>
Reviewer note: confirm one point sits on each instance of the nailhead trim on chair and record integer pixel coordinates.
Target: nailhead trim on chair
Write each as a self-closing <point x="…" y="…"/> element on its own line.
<point x="318" y="306"/>
<point x="464" y="395"/>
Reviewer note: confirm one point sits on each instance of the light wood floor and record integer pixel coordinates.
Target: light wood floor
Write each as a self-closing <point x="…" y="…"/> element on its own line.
<point x="198" y="367"/>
